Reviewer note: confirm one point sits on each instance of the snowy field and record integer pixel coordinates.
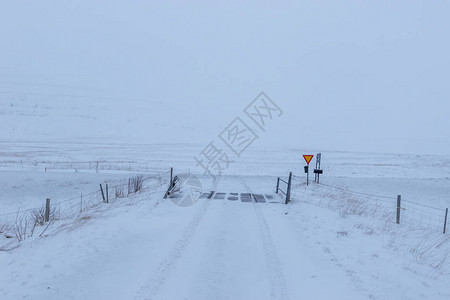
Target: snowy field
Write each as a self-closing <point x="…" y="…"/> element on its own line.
<point x="337" y="239"/>
<point x="99" y="100"/>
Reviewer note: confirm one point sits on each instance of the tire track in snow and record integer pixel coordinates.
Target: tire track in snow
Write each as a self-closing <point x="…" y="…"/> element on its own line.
<point x="214" y="260"/>
<point x="278" y="289"/>
<point x="164" y="269"/>
<point x="276" y="274"/>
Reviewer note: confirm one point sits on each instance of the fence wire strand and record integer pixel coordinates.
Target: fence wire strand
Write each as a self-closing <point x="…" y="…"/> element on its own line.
<point x="423" y="205"/>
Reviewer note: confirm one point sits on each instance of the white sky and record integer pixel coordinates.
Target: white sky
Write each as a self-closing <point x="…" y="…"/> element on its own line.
<point x="350" y="75"/>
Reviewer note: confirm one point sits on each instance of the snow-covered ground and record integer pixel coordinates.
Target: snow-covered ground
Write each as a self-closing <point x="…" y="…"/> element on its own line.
<point x="337" y="239"/>
<point x="97" y="93"/>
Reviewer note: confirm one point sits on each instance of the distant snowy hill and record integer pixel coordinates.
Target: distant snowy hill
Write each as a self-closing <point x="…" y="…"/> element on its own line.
<point x="65" y="114"/>
<point x="179" y="71"/>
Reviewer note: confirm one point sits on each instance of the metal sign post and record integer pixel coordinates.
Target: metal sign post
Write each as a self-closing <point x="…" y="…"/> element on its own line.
<point x="317" y="170"/>
<point x="307" y="174"/>
<point x="308" y="159"/>
<point x="316" y="176"/>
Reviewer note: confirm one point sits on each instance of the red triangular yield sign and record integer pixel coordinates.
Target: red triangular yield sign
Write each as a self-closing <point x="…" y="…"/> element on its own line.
<point x="308" y="158"/>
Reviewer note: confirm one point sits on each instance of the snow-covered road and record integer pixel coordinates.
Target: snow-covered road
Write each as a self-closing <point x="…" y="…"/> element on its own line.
<point x="237" y="250"/>
<point x="215" y="249"/>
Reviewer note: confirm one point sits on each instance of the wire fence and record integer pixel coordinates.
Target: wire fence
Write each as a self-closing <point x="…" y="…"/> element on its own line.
<point x="18" y="223"/>
<point x="348" y="201"/>
<point x="422" y="215"/>
<point x="97" y="165"/>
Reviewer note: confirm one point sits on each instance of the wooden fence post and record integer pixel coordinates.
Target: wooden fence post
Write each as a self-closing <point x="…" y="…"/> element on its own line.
<point x="288" y="192"/>
<point x="445" y="221"/>
<point x="278" y="185"/>
<point x="103" y="194"/>
<point x="47" y="210"/>
<point x="399" y="199"/>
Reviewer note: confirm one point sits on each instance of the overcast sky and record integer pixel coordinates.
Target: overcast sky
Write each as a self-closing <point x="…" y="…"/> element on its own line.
<point x="349" y="75"/>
